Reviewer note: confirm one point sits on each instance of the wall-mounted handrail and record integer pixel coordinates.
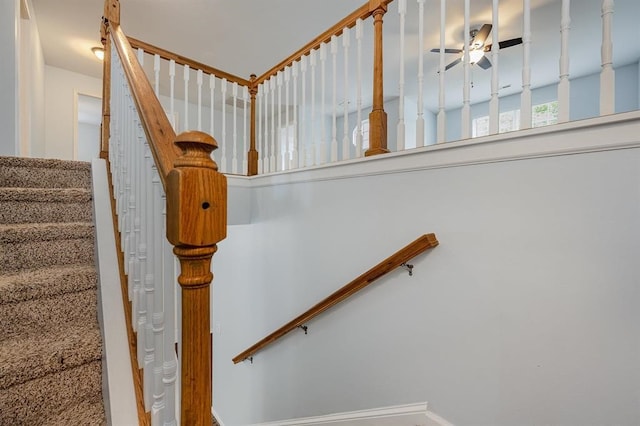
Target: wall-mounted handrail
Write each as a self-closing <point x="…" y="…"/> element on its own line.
<point x="183" y="60"/>
<point x="400" y="257"/>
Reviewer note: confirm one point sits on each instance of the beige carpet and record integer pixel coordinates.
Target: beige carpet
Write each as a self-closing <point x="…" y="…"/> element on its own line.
<point x="50" y="342"/>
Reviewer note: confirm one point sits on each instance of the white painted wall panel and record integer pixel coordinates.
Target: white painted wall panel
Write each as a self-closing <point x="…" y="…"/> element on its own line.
<point x="525" y="314"/>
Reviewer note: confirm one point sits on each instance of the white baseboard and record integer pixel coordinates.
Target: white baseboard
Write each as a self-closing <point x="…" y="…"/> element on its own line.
<point x="398" y="415"/>
<point x="117" y="384"/>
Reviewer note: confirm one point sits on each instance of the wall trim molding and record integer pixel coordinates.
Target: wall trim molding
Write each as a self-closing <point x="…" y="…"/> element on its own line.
<point x="406" y="410"/>
<point x="118" y="392"/>
<point x="607" y="133"/>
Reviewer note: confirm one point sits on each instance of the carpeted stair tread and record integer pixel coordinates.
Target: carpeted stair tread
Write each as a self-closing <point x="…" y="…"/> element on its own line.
<point x="33" y="317"/>
<point x="44" y="173"/>
<point x="30" y="402"/>
<point x="25" y="359"/>
<point x="46" y="282"/>
<point x="46" y="195"/>
<point x="25" y="232"/>
<point x="22" y="205"/>
<point x="89" y="412"/>
<point x="33" y="246"/>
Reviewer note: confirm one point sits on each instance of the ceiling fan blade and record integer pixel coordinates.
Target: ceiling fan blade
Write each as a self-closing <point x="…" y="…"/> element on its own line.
<point x="447" y="50"/>
<point x="453" y="64"/>
<point x="505" y="43"/>
<point x="482" y="35"/>
<point x="508" y="43"/>
<point x="484" y="63"/>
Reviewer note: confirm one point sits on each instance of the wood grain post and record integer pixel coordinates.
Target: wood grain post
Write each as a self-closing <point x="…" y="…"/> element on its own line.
<point x="377" y="117"/>
<point x="252" y="159"/>
<point x="196" y="222"/>
<point x="106" y="90"/>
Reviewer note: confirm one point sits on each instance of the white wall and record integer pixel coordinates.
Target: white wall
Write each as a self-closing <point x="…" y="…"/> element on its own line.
<point x="61" y="88"/>
<point x="525" y="314"/>
<point x="32" y="119"/>
<point x="9" y="83"/>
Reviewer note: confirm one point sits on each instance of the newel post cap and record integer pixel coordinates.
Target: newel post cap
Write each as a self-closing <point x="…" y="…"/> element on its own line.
<point x="196" y="194"/>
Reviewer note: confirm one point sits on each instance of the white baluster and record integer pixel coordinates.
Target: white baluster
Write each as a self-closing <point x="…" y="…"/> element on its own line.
<point x="279" y="142"/>
<point x="170" y="364"/>
<point x="302" y="147"/>
<point x="466" y="85"/>
<point x="607" y="75"/>
<point x="141" y="239"/>
<point x="259" y="138"/>
<point x="140" y="56"/>
<point x="334" y="100"/>
<point x="313" y="148"/>
<point x="212" y="99"/>
<point x="494" y="103"/>
<point x="156" y="73"/>
<point x="185" y="126"/>
<point x="245" y="151"/>
<point x="441" y="113"/>
<point x="158" y="408"/>
<point x="172" y="79"/>
<point x="525" y="98"/>
<point x="420" y="108"/>
<point x="149" y="348"/>
<point x="272" y="159"/>
<point x="234" y="160"/>
<point x="346" y="142"/>
<point x="294" y="153"/>
<point x="199" y="82"/>
<point x="322" y="158"/>
<point x="359" y="28"/>
<point x="286" y="155"/>
<point x="265" y="158"/>
<point x="223" y="96"/>
<point x="563" y="85"/>
<point x="402" y="11"/>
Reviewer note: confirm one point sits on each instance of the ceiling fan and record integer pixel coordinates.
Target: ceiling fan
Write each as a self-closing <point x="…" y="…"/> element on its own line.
<point x="477" y="48"/>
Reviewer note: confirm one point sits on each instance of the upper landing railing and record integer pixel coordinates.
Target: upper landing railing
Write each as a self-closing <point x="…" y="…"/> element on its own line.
<point x="340" y="97"/>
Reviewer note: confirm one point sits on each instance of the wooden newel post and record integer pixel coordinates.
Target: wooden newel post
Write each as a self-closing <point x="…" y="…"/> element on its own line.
<point x="377" y="117"/>
<point x="196" y="222"/>
<point x="106" y="89"/>
<point x="253" y="152"/>
<point x="110" y="17"/>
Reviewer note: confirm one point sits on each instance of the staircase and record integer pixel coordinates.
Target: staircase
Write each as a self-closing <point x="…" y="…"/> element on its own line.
<point x="50" y="341"/>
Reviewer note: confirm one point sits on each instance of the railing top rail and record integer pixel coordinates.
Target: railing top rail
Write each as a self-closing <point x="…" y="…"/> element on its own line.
<point x="183" y="60"/>
<point x="154" y="121"/>
<point x="363" y="12"/>
<point x="403" y="255"/>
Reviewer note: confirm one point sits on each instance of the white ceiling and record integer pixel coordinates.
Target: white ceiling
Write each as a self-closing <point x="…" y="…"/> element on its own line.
<point x="250" y="36"/>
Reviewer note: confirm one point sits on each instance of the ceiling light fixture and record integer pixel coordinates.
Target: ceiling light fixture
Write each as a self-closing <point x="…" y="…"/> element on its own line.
<point x="99" y="52"/>
<point x="475" y="55"/>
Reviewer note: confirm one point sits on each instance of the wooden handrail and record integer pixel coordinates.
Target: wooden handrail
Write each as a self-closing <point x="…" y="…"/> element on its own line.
<point x="403" y="255"/>
<point x="154" y="121"/>
<point x="183" y="60"/>
<point x="363" y="12"/>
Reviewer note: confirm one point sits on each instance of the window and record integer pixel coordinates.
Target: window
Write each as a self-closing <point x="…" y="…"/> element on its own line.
<point x="507" y="122"/>
<point x="365" y="134"/>
<point x="541" y="115"/>
<point x="544" y="114"/>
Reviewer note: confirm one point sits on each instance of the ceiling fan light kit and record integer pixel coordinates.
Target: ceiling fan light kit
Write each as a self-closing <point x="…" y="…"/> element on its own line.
<point x="477" y="48"/>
